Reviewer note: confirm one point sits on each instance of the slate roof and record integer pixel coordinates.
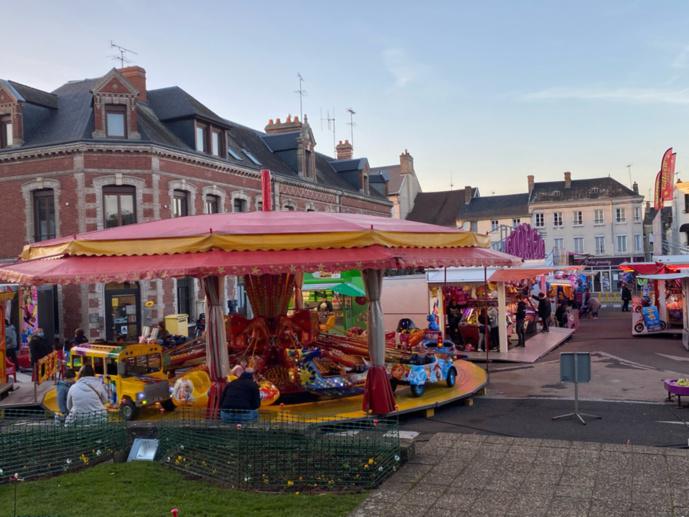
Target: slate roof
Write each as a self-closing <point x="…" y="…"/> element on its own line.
<point x="594" y="188"/>
<point x="394" y="174"/>
<point x="437" y="207"/>
<point x="66" y="115"/>
<point x="511" y="205"/>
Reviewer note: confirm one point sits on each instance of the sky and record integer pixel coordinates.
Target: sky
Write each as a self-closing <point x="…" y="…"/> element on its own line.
<point x="480" y="93"/>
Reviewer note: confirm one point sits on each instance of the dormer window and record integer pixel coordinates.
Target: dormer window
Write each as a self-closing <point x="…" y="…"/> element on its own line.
<point x="201" y="138"/>
<point x="215" y="142"/>
<point x="116" y="121"/>
<point x="251" y="157"/>
<point x="234" y="154"/>
<point x="6" y="130"/>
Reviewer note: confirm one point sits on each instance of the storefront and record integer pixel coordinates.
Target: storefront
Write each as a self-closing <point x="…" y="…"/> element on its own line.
<point x="122" y="312"/>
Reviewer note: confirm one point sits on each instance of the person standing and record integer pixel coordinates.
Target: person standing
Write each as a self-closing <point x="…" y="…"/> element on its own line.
<point x="11" y="343"/>
<point x="521" y="323"/>
<point x="78" y="339"/>
<point x="594" y="307"/>
<point x="87" y="397"/>
<point x="38" y="346"/>
<point x="544" y="310"/>
<point x="241" y="399"/>
<point x="63" y="386"/>
<point x="626" y="297"/>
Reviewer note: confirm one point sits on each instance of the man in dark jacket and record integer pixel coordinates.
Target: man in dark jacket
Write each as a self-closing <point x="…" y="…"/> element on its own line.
<point x="38" y="346"/>
<point x="626" y="298"/>
<point x="543" y="310"/>
<point x="241" y="399"/>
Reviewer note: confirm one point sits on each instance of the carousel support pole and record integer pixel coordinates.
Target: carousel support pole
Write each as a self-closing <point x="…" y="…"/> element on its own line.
<point x="216" y="341"/>
<point x="661" y="302"/>
<point x="502" y="318"/>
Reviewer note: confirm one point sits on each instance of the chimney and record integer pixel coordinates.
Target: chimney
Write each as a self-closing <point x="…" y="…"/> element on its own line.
<point x="467" y="194"/>
<point x="288" y="126"/>
<point x="137" y="77"/>
<point x="530" y="179"/>
<point x="568" y="180"/>
<point x="406" y="163"/>
<point x="344" y="150"/>
<point x="635" y="188"/>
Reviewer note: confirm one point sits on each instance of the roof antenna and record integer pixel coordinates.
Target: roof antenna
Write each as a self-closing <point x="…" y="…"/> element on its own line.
<point x="301" y="92"/>
<point x="122" y="58"/>
<point x="331" y="126"/>
<point x="351" y="124"/>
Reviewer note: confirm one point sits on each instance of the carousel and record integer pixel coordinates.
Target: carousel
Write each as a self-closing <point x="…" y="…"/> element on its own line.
<point x="271" y="251"/>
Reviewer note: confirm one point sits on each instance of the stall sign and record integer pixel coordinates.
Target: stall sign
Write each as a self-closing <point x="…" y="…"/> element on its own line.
<point x="46" y="367"/>
<point x="651" y="318"/>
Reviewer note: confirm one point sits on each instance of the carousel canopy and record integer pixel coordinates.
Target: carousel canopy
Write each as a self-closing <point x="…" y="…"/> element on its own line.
<point x="255" y="231"/>
<point x="249" y="244"/>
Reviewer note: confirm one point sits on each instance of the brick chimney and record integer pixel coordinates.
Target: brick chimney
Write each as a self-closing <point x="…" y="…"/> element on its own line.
<point x="568" y="180"/>
<point x="467" y="194"/>
<point x="344" y="150"/>
<point x="406" y="163"/>
<point x="137" y="77"/>
<point x="635" y="188"/>
<point x="530" y="179"/>
<point x="288" y="126"/>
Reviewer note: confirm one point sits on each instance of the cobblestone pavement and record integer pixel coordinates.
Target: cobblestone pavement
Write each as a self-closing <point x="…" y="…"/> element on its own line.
<point x="476" y="475"/>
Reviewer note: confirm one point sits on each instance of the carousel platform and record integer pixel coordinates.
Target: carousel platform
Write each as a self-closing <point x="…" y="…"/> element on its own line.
<point x="536" y="347"/>
<point x="23" y="394"/>
<point x="471" y="380"/>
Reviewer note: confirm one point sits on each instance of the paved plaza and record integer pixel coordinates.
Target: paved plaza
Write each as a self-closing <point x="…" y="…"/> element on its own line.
<point x="475" y="475"/>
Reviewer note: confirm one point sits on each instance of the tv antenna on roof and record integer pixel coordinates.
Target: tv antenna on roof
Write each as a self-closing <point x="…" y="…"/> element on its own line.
<point x="301" y="92"/>
<point x="122" y="58"/>
<point x="351" y="124"/>
<point x="331" y="126"/>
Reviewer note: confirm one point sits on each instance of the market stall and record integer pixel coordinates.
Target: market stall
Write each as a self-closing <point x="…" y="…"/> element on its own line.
<point x="682" y="278"/>
<point x="338" y="298"/>
<point x="270" y="250"/>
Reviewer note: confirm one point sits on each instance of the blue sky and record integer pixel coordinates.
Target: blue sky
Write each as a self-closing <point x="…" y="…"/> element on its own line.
<point x="483" y="92"/>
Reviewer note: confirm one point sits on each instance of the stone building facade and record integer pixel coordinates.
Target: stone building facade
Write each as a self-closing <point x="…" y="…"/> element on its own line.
<point x="106" y="152"/>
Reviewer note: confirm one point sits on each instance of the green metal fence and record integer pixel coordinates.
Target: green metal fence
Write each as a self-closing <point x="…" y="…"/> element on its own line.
<point x="282" y="452"/>
<point x="34" y="443"/>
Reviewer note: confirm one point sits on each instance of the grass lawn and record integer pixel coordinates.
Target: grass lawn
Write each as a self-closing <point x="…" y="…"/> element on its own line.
<point x="150" y="490"/>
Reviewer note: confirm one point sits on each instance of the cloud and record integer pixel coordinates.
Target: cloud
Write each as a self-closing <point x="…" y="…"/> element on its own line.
<point x="628" y="95"/>
<point x="400" y="66"/>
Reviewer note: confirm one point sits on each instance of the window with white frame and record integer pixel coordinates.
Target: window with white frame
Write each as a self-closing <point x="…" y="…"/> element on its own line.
<point x="578" y="218"/>
<point x="578" y="245"/>
<point x="637" y="214"/>
<point x="540" y="219"/>
<point x="516" y="222"/>
<point x="557" y="218"/>
<point x="494" y="224"/>
<point x="559" y="244"/>
<point x="598" y="216"/>
<point x="600" y="245"/>
<point x="620" y="216"/>
<point x="638" y="242"/>
<point x="621" y="244"/>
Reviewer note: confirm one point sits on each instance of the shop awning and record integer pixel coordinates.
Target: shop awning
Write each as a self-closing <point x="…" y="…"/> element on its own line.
<point x="343" y="288"/>
<point x="667" y="276"/>
<point x="642" y="268"/>
<point x="521" y="273"/>
<point x="85" y="270"/>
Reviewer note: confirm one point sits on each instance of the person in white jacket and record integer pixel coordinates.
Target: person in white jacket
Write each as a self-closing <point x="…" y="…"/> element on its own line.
<point x="86" y="399"/>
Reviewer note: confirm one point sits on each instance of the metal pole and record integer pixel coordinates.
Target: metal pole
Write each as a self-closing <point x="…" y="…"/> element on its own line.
<point x="576" y="387"/>
<point x="485" y="325"/>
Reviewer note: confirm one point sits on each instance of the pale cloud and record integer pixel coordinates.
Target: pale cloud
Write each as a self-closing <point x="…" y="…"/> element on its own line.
<point x="628" y="95"/>
<point x="400" y="66"/>
<point x="681" y="59"/>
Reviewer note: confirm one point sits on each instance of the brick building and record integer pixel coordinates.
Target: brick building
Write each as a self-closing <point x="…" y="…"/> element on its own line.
<point x="104" y="152"/>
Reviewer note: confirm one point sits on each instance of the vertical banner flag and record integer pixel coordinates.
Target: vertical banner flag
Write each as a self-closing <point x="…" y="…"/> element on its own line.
<point x="657" y="192"/>
<point x="667" y="170"/>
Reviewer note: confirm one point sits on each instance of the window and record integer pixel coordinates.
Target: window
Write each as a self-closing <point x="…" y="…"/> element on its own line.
<point x="621" y="244"/>
<point x="180" y="203"/>
<point x="184" y="293"/>
<point x="494" y="225"/>
<point x="516" y="222"/>
<point x="43" y="214"/>
<point x="116" y="121"/>
<point x="559" y="244"/>
<point x="289" y="208"/>
<point x="540" y="220"/>
<point x="6" y="131"/>
<point x="251" y="157"/>
<point x="578" y="245"/>
<point x="637" y="214"/>
<point x="619" y="215"/>
<point x="598" y="216"/>
<point x="201" y="138"/>
<point x="578" y="218"/>
<point x="638" y="242"/>
<point x="215" y="143"/>
<point x="233" y="154"/>
<point x="557" y="218"/>
<point x="212" y="204"/>
<point x="600" y="245"/>
<point x="118" y="205"/>
<point x="259" y="206"/>
<point x="239" y="205"/>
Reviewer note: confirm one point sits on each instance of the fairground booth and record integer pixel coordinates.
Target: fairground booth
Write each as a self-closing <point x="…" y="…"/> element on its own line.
<point x="338" y="298"/>
<point x="271" y="251"/>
